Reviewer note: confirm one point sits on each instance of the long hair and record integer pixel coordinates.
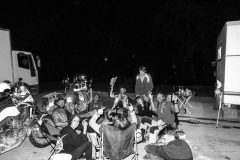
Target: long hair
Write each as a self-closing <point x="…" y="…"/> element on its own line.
<point x="119" y="120"/>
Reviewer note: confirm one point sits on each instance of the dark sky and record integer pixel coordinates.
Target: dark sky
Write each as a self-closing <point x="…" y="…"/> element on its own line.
<point x="74" y="36"/>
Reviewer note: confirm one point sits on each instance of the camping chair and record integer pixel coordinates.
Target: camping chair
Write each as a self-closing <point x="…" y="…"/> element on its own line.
<point x="118" y="144"/>
<point x="56" y="155"/>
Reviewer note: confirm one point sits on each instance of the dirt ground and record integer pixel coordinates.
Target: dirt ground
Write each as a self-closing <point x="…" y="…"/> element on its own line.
<point x="207" y="141"/>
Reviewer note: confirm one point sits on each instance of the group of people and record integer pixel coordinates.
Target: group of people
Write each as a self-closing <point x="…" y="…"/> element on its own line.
<point x="156" y="118"/>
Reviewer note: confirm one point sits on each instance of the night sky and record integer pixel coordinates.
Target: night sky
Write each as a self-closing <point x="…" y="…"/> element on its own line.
<point x="175" y="39"/>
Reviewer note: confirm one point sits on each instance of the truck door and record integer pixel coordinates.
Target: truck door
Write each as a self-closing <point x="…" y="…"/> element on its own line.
<point x="27" y="69"/>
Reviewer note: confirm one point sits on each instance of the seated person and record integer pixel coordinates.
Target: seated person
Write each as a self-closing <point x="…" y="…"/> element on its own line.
<point x="119" y="125"/>
<point x="70" y="104"/>
<point x="169" y="148"/>
<point x="166" y="111"/>
<point x="95" y="104"/>
<point x="82" y="101"/>
<point x="119" y="98"/>
<point x="59" y="114"/>
<point x="76" y="142"/>
<point x="145" y="109"/>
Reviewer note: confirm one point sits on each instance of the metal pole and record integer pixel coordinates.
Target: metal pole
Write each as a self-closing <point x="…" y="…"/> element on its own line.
<point x="219" y="108"/>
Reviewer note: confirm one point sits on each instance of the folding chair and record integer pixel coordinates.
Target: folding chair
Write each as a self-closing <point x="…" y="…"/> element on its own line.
<point x="184" y="102"/>
<point x="118" y="144"/>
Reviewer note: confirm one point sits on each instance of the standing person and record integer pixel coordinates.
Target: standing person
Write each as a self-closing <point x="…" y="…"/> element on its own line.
<point x="144" y="84"/>
<point x="76" y="142"/>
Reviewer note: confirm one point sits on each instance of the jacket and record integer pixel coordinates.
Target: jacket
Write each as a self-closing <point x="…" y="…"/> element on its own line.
<point x="145" y="86"/>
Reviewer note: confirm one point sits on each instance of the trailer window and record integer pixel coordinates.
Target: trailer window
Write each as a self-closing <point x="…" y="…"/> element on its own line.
<point x="23" y="60"/>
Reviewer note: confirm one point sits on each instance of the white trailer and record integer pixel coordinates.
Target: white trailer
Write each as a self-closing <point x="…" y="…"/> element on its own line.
<point x="17" y="64"/>
<point x="228" y="64"/>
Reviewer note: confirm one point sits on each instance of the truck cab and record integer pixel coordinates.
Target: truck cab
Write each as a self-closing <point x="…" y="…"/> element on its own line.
<point x="25" y="67"/>
<point x="15" y="65"/>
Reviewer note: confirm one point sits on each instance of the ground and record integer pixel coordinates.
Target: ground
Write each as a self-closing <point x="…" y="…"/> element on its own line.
<point x="207" y="141"/>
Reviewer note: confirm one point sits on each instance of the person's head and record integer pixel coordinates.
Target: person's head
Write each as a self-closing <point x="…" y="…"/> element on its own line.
<point x="139" y="100"/>
<point x="168" y="134"/>
<point x="122" y="90"/>
<point x="160" y="97"/>
<point x="75" y="121"/>
<point x="168" y="98"/>
<point x="60" y="103"/>
<point x="120" y="121"/>
<point x="142" y="70"/>
<point x="96" y="97"/>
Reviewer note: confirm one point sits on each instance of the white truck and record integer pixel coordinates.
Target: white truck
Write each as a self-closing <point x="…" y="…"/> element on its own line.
<point x="228" y="67"/>
<point x="17" y="64"/>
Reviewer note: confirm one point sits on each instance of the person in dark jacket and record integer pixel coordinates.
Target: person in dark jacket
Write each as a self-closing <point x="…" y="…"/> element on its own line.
<point x="144" y="83"/>
<point x="76" y="142"/>
<point x="169" y="148"/>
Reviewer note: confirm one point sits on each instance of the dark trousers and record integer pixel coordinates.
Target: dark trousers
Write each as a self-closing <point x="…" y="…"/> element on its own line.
<point x="85" y="148"/>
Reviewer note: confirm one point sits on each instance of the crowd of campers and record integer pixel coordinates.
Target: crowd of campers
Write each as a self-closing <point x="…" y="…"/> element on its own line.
<point x="90" y="129"/>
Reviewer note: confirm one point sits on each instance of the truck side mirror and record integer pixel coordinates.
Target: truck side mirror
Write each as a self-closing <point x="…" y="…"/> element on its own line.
<point x="38" y="62"/>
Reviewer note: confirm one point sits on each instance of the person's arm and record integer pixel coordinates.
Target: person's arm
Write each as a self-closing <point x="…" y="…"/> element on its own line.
<point x="93" y="121"/>
<point x="137" y="86"/>
<point x="111" y="92"/>
<point x="117" y="99"/>
<point x="88" y="114"/>
<point x="176" y="108"/>
<point x="85" y="124"/>
<point x="91" y="95"/>
<point x="152" y="107"/>
<point x="150" y="83"/>
<point x="132" y="114"/>
<point x="56" y="120"/>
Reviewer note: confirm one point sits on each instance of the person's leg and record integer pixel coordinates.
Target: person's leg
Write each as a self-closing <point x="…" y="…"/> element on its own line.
<point x="85" y="148"/>
<point x="95" y="144"/>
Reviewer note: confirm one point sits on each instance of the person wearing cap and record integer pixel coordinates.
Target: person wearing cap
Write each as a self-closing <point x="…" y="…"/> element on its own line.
<point x="59" y="114"/>
<point x="170" y="147"/>
<point x="144" y="83"/>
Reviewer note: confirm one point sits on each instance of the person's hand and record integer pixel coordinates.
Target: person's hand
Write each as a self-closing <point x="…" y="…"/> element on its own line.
<point x="130" y="108"/>
<point x="174" y="98"/>
<point x="84" y="123"/>
<point x="150" y="95"/>
<point x="101" y="111"/>
<point x="78" y="131"/>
